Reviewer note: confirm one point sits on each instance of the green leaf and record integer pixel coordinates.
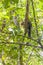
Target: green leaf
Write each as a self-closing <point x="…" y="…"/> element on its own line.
<point x="41" y="0"/>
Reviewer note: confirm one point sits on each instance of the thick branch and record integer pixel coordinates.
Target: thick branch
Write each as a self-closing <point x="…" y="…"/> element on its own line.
<point x="36" y="23"/>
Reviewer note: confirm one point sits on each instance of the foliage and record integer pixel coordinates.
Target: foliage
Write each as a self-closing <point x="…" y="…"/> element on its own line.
<point x="11" y="33"/>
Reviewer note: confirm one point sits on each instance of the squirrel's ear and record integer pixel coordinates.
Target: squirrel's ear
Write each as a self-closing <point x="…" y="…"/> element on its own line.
<point x="22" y="23"/>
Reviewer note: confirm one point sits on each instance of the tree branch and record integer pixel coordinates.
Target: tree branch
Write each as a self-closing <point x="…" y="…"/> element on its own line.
<point x="27" y="44"/>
